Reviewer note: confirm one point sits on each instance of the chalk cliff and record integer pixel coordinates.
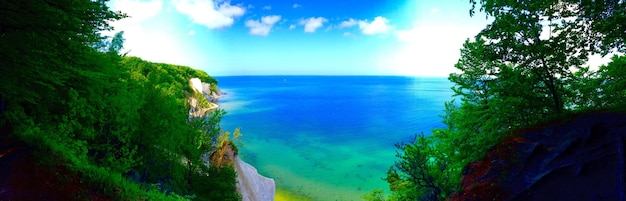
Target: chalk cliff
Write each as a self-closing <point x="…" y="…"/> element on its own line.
<point x="252" y="185"/>
<point x="202" y="99"/>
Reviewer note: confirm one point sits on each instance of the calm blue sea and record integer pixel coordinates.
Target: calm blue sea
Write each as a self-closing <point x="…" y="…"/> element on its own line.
<point x="329" y="137"/>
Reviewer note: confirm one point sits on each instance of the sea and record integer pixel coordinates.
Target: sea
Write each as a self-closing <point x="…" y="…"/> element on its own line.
<point x="329" y="137"/>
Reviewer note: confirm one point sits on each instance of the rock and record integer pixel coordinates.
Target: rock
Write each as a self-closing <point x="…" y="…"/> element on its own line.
<point x="195" y="111"/>
<point x="205" y="89"/>
<point x="212" y="96"/>
<point x="250" y="184"/>
<point x="580" y="159"/>
<point x="223" y="156"/>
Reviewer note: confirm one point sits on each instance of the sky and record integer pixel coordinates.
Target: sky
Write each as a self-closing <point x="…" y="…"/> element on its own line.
<point x="300" y="37"/>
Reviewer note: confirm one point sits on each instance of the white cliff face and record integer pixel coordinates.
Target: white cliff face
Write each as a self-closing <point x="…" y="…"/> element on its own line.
<point x="195" y="110"/>
<point x="251" y="185"/>
<point x="197" y="84"/>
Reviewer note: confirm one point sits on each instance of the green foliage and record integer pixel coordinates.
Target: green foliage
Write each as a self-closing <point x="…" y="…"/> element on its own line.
<point x="202" y="102"/>
<point x="612" y="83"/>
<point x="423" y="171"/>
<point x="168" y="135"/>
<point x="121" y="122"/>
<point x="43" y="41"/>
<point x="374" y="195"/>
<point x="514" y="75"/>
<point x="601" y="89"/>
<point x="233" y="141"/>
<point x="600" y="23"/>
<point x="218" y="185"/>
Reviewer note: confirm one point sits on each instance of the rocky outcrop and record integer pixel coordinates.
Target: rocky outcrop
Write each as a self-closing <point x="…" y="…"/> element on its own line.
<point x="205" y="88"/>
<point x="579" y="159"/>
<point x="198" y="107"/>
<point x="250" y="184"/>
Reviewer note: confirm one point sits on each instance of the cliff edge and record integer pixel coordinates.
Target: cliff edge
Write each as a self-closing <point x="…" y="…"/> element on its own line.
<point x="250" y="184"/>
<point x="203" y="99"/>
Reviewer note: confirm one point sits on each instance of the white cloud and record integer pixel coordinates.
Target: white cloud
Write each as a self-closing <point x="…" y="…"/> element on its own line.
<point x="148" y="8"/>
<point x="141" y="42"/>
<point x="348" y="23"/>
<point x="293" y="26"/>
<point x="313" y="23"/>
<point x="295" y="5"/>
<point x="191" y="33"/>
<point x="430" y="49"/>
<point x="348" y="35"/>
<point x="212" y="14"/>
<point x="378" y="26"/>
<point x="267" y="7"/>
<point x="434" y="10"/>
<point x="263" y="27"/>
<point x="131" y="25"/>
<point x="140" y="36"/>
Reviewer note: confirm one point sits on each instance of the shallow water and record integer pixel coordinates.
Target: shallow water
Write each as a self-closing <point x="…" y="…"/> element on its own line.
<point x="329" y="137"/>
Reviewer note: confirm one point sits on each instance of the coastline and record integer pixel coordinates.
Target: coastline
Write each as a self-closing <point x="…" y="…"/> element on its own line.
<point x="283" y="194"/>
<point x="306" y="161"/>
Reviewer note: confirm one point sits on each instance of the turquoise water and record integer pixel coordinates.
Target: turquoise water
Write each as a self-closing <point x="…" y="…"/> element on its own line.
<point x="329" y="137"/>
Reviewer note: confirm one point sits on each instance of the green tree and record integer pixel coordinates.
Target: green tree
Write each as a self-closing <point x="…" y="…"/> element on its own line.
<point x="550" y="38"/>
<point x="423" y="171"/>
<point x="45" y="45"/>
<point x="606" y="19"/>
<point x="68" y="93"/>
<point x="612" y="80"/>
<point x="601" y="22"/>
<point x="524" y="67"/>
<point x="601" y="89"/>
<point x="203" y="141"/>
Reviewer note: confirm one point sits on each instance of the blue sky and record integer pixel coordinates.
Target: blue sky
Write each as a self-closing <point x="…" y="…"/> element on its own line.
<point x="311" y="37"/>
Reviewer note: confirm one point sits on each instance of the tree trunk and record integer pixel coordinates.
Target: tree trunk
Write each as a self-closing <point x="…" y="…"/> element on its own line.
<point x="550" y="81"/>
<point x="551" y="87"/>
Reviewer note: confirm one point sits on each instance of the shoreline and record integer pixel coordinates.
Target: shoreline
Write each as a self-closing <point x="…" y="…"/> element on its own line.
<point x="283" y="194"/>
<point x="280" y="194"/>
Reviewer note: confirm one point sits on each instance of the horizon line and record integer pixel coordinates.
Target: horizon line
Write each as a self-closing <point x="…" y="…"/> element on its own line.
<point x="327" y="75"/>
